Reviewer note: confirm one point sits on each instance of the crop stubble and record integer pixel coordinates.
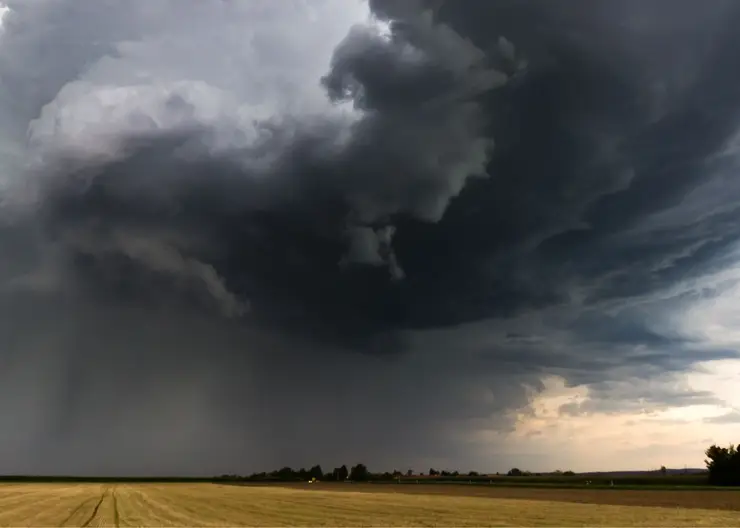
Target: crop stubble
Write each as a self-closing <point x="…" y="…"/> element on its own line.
<point x="711" y="499"/>
<point x="223" y="505"/>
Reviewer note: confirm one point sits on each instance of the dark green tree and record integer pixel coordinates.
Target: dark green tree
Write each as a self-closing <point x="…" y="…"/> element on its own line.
<point x="359" y="473"/>
<point x="316" y="472"/>
<point x="723" y="464"/>
<point x="285" y="473"/>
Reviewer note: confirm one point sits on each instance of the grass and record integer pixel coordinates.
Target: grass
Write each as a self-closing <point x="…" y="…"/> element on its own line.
<point x="197" y="504"/>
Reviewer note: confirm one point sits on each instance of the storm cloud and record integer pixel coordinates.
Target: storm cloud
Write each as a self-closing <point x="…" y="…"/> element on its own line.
<point x="226" y="224"/>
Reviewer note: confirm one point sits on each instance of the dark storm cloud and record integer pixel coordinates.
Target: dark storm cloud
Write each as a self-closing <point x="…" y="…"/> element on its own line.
<point x="578" y="166"/>
<point x="512" y="194"/>
<point x="275" y="233"/>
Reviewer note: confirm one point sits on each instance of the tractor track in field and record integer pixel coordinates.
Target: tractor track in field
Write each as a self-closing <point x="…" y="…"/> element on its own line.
<point x="77" y="508"/>
<point x="116" y="517"/>
<point x="97" y="507"/>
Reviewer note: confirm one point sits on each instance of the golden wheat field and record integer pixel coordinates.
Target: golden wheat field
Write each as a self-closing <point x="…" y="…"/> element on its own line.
<point x="223" y="505"/>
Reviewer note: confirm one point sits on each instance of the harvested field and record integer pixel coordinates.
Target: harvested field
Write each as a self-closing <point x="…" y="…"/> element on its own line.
<point x="677" y="498"/>
<point x="225" y="505"/>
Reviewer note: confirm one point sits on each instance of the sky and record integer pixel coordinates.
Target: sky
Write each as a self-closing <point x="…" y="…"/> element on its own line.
<point x="240" y="235"/>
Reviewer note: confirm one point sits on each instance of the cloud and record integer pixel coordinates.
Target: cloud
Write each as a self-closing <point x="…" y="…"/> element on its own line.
<point x="641" y="396"/>
<point x="672" y="437"/>
<point x="731" y="417"/>
<point x="384" y="222"/>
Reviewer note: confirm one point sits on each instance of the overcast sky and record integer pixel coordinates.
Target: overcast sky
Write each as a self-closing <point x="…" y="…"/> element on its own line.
<point x="239" y="235"/>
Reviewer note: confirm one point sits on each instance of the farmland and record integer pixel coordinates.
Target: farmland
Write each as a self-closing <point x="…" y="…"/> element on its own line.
<point x="204" y="504"/>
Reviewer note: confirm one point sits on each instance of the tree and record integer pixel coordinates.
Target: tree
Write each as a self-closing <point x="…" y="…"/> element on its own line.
<point x="515" y="472"/>
<point x="316" y="472"/>
<point x="433" y="472"/>
<point x="359" y="473"/>
<point x="339" y="474"/>
<point x="723" y="464"/>
<point x="663" y="471"/>
<point x="285" y="473"/>
<point x="410" y="473"/>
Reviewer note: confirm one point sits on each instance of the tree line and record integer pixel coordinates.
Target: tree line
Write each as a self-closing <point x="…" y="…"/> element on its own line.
<point x="360" y="473"/>
<point x="357" y="473"/>
<point x="723" y="465"/>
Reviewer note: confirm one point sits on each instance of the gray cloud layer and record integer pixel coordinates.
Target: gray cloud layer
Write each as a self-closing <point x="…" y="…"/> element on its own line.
<point x="230" y="225"/>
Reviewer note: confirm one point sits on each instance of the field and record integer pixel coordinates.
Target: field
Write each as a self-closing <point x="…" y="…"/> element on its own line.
<point x="193" y="504"/>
